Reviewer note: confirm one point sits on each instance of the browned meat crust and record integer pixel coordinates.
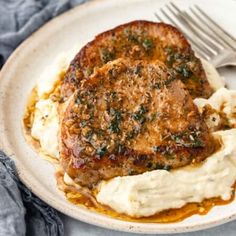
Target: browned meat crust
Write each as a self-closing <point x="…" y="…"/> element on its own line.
<point x="128" y="118"/>
<point x="140" y="40"/>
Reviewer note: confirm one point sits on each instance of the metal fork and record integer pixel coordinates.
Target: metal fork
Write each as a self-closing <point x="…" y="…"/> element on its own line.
<point x="208" y="39"/>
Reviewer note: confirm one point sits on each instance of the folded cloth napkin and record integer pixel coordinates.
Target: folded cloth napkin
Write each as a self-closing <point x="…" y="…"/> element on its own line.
<point x="21" y="212"/>
<point x="20" y="18"/>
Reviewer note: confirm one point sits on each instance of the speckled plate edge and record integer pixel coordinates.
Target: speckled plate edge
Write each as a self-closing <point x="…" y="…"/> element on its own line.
<point x="81" y="214"/>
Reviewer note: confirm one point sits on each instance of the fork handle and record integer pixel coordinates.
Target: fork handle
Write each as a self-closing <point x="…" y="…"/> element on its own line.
<point x="228" y="58"/>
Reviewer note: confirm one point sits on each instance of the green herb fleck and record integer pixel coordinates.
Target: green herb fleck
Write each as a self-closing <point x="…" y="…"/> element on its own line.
<point x="133" y="133"/>
<point x="79" y="100"/>
<point x="169" y="156"/>
<point x="156" y="148"/>
<point x="114" y="127"/>
<point x="139" y="115"/>
<point x="117" y="117"/>
<point x="158" y="166"/>
<point x="148" y="44"/>
<point x="167" y="167"/>
<point x="102" y="150"/>
<point x="107" y="55"/>
<point x="88" y="72"/>
<point x="184" y="71"/>
<point x="149" y="165"/>
<point x="137" y="70"/>
<point x="113" y="94"/>
<point x="120" y="148"/>
<point x="187" y="140"/>
<point x="157" y="85"/>
<point x="154" y="116"/>
<point x="116" y="114"/>
<point x="83" y="123"/>
<point x="89" y="135"/>
<point x="132" y="172"/>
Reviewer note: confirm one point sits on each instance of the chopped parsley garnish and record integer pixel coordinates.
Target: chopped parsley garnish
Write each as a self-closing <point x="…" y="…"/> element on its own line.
<point x="107" y="55"/>
<point x="140" y="114"/>
<point x="158" y="166"/>
<point x="130" y="36"/>
<point x="148" y="44"/>
<point x="149" y="165"/>
<point x="79" y="100"/>
<point x="113" y="94"/>
<point x="114" y="126"/>
<point x="133" y="133"/>
<point x="156" y="149"/>
<point x="184" y="71"/>
<point x="161" y="84"/>
<point x="116" y="114"/>
<point x="157" y="85"/>
<point x="187" y="140"/>
<point x="132" y="172"/>
<point x="137" y="70"/>
<point x="89" y="135"/>
<point x="83" y="123"/>
<point x="167" y="167"/>
<point x="88" y="71"/>
<point x="154" y="116"/>
<point x="116" y="119"/>
<point x="101" y="151"/>
<point x="120" y="148"/>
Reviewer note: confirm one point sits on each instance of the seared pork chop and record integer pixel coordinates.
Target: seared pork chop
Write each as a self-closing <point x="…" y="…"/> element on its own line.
<point x="140" y="40"/>
<point x="130" y="117"/>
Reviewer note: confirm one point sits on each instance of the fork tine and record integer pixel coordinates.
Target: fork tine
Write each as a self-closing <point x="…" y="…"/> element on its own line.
<point x="205" y="40"/>
<point x="196" y="24"/>
<point x="215" y="24"/>
<point x="158" y="17"/>
<point x="214" y="27"/>
<point x="201" y="26"/>
<point x="201" y="51"/>
<point x="194" y="35"/>
<point x="198" y="49"/>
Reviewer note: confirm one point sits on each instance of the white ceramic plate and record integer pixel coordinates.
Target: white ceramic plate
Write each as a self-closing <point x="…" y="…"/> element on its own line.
<point x="21" y="71"/>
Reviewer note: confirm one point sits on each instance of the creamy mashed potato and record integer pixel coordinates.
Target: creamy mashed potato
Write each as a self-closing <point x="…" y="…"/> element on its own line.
<point x="46" y="120"/>
<point x="216" y="81"/>
<point x="158" y="190"/>
<point x="51" y="75"/>
<point x="223" y="100"/>
<point x="45" y="126"/>
<point x="154" y="191"/>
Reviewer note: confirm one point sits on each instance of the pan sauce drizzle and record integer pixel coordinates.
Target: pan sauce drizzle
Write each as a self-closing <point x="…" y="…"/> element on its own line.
<point x="167" y="216"/>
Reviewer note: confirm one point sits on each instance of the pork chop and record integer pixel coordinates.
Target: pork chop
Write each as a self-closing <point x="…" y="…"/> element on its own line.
<point x="130" y="117"/>
<point x="139" y="40"/>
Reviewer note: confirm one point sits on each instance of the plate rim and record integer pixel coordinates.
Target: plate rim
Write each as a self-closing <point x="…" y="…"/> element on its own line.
<point x="115" y="224"/>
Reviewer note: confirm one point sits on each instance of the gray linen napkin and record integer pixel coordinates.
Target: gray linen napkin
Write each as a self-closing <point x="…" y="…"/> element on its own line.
<point x="20" y="18"/>
<point x="21" y="212"/>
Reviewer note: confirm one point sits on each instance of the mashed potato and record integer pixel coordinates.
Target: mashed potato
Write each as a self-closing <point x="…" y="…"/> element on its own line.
<point x="223" y="100"/>
<point x="45" y="127"/>
<point x="154" y="191"/>
<point x="216" y="81"/>
<point x="158" y="190"/>
<point x="46" y="121"/>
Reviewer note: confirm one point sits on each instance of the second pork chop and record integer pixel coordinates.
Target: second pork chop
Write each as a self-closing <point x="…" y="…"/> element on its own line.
<point x="139" y="40"/>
